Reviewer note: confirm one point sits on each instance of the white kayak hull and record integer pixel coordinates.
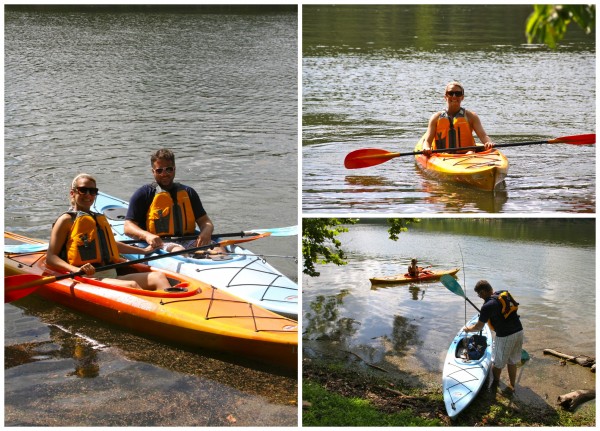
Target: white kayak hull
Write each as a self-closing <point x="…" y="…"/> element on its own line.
<point x="243" y="273"/>
<point x="463" y="377"/>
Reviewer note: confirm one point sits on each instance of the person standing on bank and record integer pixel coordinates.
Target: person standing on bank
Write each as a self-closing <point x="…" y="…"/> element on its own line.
<point x="82" y="240"/>
<point x="454" y="127"/>
<point x="499" y="311"/>
<point x="165" y="208"/>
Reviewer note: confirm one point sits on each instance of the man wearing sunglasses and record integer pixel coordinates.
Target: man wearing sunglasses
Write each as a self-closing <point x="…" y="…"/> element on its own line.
<point x="454" y="127"/>
<point x="165" y="208"/>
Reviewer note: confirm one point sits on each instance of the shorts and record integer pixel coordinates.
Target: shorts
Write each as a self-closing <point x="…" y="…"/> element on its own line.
<point x="507" y="350"/>
<point x="109" y="273"/>
<point x="169" y="246"/>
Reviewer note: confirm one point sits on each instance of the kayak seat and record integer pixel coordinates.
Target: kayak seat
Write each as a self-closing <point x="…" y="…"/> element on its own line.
<point x="115" y="213"/>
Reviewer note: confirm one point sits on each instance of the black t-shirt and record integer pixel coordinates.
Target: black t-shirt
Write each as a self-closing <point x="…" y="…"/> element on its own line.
<point x="492" y="311"/>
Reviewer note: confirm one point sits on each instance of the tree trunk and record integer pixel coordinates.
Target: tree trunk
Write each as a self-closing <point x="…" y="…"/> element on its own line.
<point x="573" y="399"/>
<point x="584" y="361"/>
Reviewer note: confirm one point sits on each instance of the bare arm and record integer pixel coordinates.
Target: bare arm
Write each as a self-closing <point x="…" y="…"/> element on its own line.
<point x="132" y="229"/>
<point x="475" y="124"/>
<point x="430" y="134"/>
<point x="206" y="230"/>
<point x="474" y="328"/>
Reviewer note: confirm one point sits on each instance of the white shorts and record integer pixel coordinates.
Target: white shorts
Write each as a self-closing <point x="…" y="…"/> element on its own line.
<point x="507" y="350"/>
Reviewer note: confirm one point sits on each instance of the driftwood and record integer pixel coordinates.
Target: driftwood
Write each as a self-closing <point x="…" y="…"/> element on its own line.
<point x="573" y="399"/>
<point x="584" y="361"/>
<point x="366" y="362"/>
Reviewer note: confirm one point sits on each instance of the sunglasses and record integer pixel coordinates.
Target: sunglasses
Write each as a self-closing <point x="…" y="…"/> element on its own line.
<point x="454" y="93"/>
<point x="169" y="170"/>
<point x="83" y="190"/>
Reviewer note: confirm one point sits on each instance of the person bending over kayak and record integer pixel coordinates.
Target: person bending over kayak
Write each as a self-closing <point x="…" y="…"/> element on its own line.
<point x="454" y="127"/>
<point x="82" y="240"/>
<point x="165" y="208"/>
<point x="500" y="312"/>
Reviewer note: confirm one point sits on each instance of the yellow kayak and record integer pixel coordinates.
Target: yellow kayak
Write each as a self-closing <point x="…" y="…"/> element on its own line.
<point x="190" y="313"/>
<point x="405" y="278"/>
<point x="483" y="170"/>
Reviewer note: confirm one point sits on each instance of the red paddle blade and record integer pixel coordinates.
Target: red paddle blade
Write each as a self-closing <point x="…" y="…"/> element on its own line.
<point x="575" y="139"/>
<point x="367" y="157"/>
<point x="13" y="289"/>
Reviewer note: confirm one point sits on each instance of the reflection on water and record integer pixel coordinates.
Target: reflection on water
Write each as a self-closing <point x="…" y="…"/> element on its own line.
<point x="547" y="264"/>
<point x="368" y="84"/>
<point x="62" y="345"/>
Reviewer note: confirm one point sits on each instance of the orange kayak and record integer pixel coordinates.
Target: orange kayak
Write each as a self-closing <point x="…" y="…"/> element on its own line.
<point x="405" y="278"/>
<point x="191" y="313"/>
<point x="484" y="170"/>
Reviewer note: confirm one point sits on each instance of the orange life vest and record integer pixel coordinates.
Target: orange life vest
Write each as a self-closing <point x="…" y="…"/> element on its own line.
<point x="453" y="134"/>
<point x="166" y="217"/>
<point x="90" y="240"/>
<point x="508" y="305"/>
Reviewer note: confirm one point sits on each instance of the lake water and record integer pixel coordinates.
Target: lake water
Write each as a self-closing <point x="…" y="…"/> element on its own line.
<point x="97" y="90"/>
<point x="373" y="75"/>
<point x="547" y="264"/>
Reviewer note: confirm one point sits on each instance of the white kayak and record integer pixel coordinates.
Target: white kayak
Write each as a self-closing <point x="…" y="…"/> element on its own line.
<point x="466" y="368"/>
<point x="241" y="273"/>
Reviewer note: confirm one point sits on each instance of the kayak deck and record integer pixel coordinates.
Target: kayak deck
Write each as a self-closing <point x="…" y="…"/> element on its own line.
<point x="405" y="278"/>
<point x="484" y="170"/>
<point x="190" y="313"/>
<point x="464" y="375"/>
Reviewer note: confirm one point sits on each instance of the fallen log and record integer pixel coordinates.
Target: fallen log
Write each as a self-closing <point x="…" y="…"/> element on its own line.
<point x="573" y="399"/>
<point x="584" y="361"/>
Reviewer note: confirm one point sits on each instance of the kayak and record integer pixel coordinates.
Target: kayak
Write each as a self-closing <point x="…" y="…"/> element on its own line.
<point x="190" y="313"/>
<point x="241" y="272"/>
<point x="483" y="170"/>
<point x="467" y="365"/>
<point x="405" y="278"/>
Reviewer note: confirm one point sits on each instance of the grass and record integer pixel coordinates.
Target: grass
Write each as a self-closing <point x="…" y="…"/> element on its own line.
<point x="330" y="409"/>
<point x="335" y="395"/>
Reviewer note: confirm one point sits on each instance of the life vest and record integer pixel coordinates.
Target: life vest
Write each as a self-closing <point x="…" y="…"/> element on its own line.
<point x="508" y="305"/>
<point x="166" y="217"/>
<point x="90" y="240"/>
<point x="453" y="134"/>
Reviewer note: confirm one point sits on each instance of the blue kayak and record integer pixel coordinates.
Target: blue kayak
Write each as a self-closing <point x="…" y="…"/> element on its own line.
<point x="240" y="272"/>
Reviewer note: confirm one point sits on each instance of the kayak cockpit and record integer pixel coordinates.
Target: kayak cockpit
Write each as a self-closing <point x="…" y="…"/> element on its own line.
<point x="471" y="348"/>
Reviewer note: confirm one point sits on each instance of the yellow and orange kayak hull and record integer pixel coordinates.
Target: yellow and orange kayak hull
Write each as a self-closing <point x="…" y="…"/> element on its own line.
<point x="191" y="313"/>
<point x="484" y="170"/>
<point x="405" y="278"/>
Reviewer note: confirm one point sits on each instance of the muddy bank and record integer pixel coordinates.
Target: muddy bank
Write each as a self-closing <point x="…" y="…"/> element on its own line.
<point x="392" y="392"/>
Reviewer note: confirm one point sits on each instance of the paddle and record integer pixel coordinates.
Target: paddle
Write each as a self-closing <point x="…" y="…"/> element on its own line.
<point x="18" y="286"/>
<point x="453" y="286"/>
<point x="368" y="157"/>
<point x="277" y="231"/>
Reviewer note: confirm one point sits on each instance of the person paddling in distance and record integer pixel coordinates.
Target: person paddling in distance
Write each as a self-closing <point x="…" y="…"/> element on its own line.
<point x="165" y="208"/>
<point x="82" y="240"/>
<point x="454" y="127"/>
<point x="414" y="270"/>
<point x="500" y="312"/>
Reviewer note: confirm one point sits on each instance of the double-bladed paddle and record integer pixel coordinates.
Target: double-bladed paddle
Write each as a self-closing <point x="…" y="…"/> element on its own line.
<point x="276" y="231"/>
<point x="18" y="286"/>
<point x="368" y="157"/>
